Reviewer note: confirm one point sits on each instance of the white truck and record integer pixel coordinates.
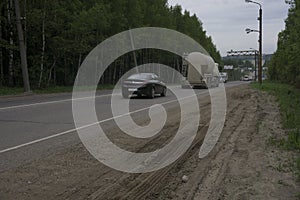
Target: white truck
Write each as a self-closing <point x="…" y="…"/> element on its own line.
<point x="199" y="71"/>
<point x="223" y="77"/>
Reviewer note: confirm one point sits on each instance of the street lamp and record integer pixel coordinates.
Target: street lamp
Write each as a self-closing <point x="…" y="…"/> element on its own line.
<point x="248" y="30"/>
<point x="260" y="39"/>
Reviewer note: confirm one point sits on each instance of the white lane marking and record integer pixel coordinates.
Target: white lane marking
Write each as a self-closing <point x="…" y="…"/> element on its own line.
<point x="89" y="125"/>
<point x="50" y="102"/>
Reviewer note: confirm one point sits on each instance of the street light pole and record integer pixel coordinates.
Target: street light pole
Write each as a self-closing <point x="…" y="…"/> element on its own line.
<point x="255" y="73"/>
<point x="260" y="40"/>
<point x="260" y="47"/>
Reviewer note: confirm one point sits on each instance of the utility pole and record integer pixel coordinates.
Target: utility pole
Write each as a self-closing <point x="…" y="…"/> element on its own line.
<point x="260" y="39"/>
<point x="260" y="47"/>
<point x="22" y="48"/>
<point x="255" y="72"/>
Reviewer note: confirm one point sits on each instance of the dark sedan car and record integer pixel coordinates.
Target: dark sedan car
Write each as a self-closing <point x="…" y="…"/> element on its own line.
<point x="147" y="84"/>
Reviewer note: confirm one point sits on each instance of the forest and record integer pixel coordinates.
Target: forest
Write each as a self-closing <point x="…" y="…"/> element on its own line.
<point x="58" y="34"/>
<point x="285" y="64"/>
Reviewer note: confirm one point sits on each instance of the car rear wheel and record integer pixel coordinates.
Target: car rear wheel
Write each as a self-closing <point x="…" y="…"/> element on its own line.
<point x="164" y="92"/>
<point x="151" y="93"/>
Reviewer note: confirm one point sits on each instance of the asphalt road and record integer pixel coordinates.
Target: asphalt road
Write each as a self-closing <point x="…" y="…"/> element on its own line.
<point x="35" y="126"/>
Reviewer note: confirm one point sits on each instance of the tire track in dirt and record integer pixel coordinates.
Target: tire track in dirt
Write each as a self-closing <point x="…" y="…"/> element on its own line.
<point x="152" y="181"/>
<point x="137" y="186"/>
<point x="214" y="178"/>
<point x="195" y="168"/>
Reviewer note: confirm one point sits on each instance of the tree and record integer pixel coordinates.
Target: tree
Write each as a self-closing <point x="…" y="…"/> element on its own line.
<point x="61" y="33"/>
<point x="285" y="64"/>
<point x="22" y="48"/>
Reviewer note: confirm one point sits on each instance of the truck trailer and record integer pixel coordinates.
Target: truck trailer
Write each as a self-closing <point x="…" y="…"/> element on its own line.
<point x="199" y="71"/>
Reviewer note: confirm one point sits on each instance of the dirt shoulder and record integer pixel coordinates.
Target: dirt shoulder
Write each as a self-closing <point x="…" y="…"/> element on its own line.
<point x="246" y="164"/>
<point x="243" y="165"/>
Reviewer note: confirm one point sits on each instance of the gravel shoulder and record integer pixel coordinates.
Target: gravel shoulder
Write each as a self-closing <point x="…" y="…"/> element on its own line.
<point x="243" y="165"/>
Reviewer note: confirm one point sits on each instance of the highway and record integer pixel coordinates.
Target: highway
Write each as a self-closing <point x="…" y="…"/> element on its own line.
<point x="35" y="126"/>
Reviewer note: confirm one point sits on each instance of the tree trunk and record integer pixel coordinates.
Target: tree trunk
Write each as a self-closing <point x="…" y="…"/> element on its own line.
<point x="22" y="48"/>
<point x="50" y="72"/>
<point x="65" y="72"/>
<point x="54" y="75"/>
<point x="25" y="23"/>
<point x="79" y="61"/>
<point x="1" y="60"/>
<point x="133" y="51"/>
<point x="11" y="43"/>
<point x="43" y="46"/>
<point x="115" y="73"/>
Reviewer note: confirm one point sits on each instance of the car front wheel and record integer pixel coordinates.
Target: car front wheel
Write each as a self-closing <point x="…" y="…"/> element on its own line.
<point x="164" y="92"/>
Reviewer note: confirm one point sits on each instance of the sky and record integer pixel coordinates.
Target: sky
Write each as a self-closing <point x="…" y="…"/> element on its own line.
<point x="226" y="20"/>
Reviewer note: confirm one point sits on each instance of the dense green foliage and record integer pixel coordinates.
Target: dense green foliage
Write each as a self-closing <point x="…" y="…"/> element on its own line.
<point x="285" y="64"/>
<point x="60" y="33"/>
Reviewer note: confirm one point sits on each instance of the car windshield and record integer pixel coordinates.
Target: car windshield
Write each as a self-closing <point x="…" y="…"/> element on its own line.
<point x="141" y="76"/>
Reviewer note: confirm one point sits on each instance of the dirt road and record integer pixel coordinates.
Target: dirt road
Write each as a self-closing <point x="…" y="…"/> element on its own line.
<point x="243" y="164"/>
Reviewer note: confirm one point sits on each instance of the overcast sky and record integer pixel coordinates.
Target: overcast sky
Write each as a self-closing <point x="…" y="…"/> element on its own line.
<point x="226" y="20"/>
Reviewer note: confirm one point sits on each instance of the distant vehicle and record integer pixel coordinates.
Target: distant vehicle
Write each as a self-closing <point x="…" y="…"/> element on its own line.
<point x="222" y="80"/>
<point x="148" y="84"/>
<point x="223" y="77"/>
<point x="246" y="78"/>
<point x="196" y="62"/>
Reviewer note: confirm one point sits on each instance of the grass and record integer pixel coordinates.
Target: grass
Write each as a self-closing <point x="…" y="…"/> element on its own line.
<point x="288" y="98"/>
<point x="10" y="91"/>
<point x="4" y="91"/>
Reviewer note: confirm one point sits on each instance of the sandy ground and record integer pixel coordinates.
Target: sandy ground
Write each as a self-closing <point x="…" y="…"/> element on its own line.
<point x="243" y="164"/>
